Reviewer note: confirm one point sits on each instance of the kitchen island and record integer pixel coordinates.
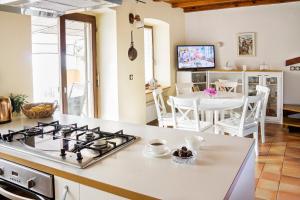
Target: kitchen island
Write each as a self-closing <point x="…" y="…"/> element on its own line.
<point x="224" y="168"/>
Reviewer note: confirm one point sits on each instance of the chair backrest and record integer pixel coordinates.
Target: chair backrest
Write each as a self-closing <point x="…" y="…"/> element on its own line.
<point x="187" y="116"/>
<point x="226" y="86"/>
<point x="184" y="88"/>
<point x="251" y="110"/>
<point x="159" y="103"/>
<point x="265" y="92"/>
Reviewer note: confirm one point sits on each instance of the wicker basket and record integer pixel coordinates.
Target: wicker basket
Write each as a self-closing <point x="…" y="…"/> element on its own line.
<point x="46" y="110"/>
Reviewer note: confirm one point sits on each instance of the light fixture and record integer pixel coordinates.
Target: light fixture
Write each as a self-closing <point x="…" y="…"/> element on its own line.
<point x="136" y="19"/>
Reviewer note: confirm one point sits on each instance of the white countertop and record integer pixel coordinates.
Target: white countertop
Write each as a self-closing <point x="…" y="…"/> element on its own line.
<point x="210" y="177"/>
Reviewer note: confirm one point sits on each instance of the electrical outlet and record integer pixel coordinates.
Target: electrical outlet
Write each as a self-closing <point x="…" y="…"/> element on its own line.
<point x="131" y="77"/>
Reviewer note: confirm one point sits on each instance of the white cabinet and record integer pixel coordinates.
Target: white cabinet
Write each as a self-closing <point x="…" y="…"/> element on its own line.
<point x="78" y="191"/>
<point x="199" y="79"/>
<point x="60" y="185"/>
<point x="89" y="193"/>
<point x="272" y="80"/>
<point x="235" y="76"/>
<point x="247" y="81"/>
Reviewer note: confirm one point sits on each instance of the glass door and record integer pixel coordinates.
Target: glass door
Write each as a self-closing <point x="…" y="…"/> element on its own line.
<point x="78" y="65"/>
<point x="272" y="82"/>
<point x="252" y="80"/>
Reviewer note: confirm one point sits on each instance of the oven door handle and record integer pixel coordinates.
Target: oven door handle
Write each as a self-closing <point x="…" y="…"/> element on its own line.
<point x="12" y="196"/>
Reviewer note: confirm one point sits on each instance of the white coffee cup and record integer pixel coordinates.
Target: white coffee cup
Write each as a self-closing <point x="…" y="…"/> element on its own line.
<point x="194" y="142"/>
<point x="157" y="146"/>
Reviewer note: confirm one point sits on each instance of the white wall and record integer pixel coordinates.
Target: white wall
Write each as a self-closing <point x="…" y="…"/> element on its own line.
<point x="107" y="64"/>
<point x="15" y="54"/>
<point x="278" y="36"/>
<point x="132" y="101"/>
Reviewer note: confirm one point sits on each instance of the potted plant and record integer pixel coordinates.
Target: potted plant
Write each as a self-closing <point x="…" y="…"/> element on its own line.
<point x="17" y="100"/>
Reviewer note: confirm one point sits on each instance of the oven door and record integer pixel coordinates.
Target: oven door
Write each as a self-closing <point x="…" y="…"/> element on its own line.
<point x="9" y="191"/>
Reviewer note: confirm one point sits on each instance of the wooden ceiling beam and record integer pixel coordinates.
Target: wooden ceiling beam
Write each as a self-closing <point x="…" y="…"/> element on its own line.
<point x="203" y="3"/>
<point x="234" y="4"/>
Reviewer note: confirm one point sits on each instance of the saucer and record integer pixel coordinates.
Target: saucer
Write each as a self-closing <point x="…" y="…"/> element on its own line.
<point x="148" y="153"/>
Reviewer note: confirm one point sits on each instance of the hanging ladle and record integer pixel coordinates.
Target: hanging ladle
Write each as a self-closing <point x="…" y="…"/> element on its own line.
<point x="132" y="52"/>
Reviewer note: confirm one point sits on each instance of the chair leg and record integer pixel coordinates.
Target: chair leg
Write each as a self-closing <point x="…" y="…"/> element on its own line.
<point x="262" y="131"/>
<point x="255" y="136"/>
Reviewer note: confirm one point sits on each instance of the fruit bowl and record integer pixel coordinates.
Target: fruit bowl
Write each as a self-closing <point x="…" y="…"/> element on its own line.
<point x="39" y="110"/>
<point x="186" y="159"/>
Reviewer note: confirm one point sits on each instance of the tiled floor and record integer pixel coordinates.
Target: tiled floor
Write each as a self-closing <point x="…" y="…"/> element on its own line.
<point x="278" y="165"/>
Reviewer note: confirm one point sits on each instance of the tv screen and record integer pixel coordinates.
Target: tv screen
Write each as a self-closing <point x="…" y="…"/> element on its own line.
<point x="196" y="57"/>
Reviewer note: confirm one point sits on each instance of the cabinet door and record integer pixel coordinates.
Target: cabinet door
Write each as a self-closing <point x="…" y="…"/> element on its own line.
<point x="273" y="112"/>
<point x="252" y="80"/>
<point x="60" y="185"/>
<point x="88" y="193"/>
<point x="200" y="80"/>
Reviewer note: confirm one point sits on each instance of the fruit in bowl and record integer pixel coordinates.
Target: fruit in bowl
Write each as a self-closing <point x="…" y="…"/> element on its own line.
<point x="39" y="110"/>
<point x="183" y="152"/>
<point x="41" y="107"/>
<point x="183" y="155"/>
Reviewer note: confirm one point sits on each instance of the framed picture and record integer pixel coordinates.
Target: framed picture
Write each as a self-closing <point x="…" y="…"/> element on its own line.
<point x="246" y="43"/>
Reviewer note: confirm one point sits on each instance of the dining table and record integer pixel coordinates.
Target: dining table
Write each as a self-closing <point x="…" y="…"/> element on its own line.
<point x="214" y="106"/>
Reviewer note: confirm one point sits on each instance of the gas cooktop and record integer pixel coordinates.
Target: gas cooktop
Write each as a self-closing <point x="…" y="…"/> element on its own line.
<point x="68" y="144"/>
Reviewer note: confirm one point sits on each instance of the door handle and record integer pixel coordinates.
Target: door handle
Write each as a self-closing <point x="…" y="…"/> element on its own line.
<point x="66" y="190"/>
<point x="65" y="90"/>
<point x="10" y="195"/>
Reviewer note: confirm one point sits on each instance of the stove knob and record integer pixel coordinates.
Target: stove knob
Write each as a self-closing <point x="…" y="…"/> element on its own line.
<point x="30" y="183"/>
<point x="9" y="138"/>
<point x="62" y="152"/>
<point x="79" y="156"/>
<point x="1" y="171"/>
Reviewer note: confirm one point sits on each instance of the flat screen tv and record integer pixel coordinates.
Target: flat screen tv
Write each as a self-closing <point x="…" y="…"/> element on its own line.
<point x="195" y="57"/>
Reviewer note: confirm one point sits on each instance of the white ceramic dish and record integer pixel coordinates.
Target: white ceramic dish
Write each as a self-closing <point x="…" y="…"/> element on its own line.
<point x="157" y="149"/>
<point x="194" y="142"/>
<point x="189" y="160"/>
<point x="150" y="154"/>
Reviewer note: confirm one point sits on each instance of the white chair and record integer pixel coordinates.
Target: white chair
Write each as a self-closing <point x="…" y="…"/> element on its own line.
<point x="248" y="122"/>
<point x="264" y="91"/>
<point x="164" y="118"/>
<point x="187" y="117"/>
<point x="184" y="88"/>
<point x="226" y="86"/>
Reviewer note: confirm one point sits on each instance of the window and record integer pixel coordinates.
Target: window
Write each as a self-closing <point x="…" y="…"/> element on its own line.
<point x="45" y="59"/>
<point x="148" y="48"/>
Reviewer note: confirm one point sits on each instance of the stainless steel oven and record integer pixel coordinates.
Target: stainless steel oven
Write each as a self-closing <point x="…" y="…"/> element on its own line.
<point x="22" y="183"/>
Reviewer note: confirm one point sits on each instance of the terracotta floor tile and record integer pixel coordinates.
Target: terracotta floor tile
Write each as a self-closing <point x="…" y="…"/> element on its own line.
<point x="264" y="149"/>
<point x="291" y="170"/>
<point x="274" y="159"/>
<point x="295" y="189"/>
<point x="270" y="176"/>
<point x="273" y="168"/>
<point x="279" y="144"/>
<point x="268" y="185"/>
<point x="265" y="194"/>
<point x="287" y="196"/>
<point x="258" y="169"/>
<point x="277" y="150"/>
<point x="291" y="160"/>
<point x="290" y="180"/>
<point x="293" y="144"/>
<point x="292" y="152"/>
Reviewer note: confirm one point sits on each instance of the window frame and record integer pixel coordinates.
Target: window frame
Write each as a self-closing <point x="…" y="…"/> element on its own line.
<point x="153" y="71"/>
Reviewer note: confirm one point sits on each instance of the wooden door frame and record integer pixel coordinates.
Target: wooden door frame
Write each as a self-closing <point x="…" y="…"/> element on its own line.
<point x="63" y="62"/>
